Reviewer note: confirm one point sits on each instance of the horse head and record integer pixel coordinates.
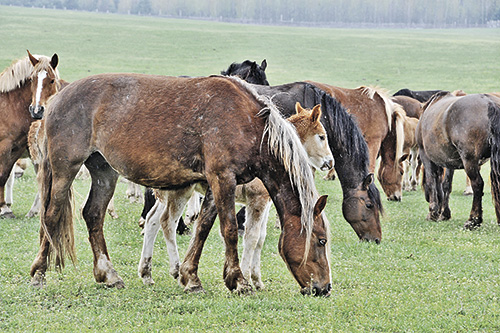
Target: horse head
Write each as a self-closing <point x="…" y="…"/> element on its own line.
<point x="44" y="83"/>
<point x="309" y="269"/>
<point x="313" y="136"/>
<point x="361" y="208"/>
<point x="249" y="71"/>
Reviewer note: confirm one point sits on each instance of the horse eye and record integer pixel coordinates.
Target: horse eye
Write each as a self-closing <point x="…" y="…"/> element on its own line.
<point x="369" y="205"/>
<point x="322" y="242"/>
<point x="322" y="137"/>
<point x="52" y="81"/>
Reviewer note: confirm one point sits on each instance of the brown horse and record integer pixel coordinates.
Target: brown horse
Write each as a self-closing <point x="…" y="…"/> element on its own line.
<point x="171" y="133"/>
<point x="381" y="122"/>
<point x="454" y="132"/>
<point x="25" y="87"/>
<point x="170" y="205"/>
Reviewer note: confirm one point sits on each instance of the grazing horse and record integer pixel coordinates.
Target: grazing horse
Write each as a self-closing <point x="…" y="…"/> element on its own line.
<point x="381" y="122"/>
<point x="249" y="71"/>
<point x="25" y="87"/>
<point x="455" y="132"/>
<point x="170" y="205"/>
<point x="192" y="130"/>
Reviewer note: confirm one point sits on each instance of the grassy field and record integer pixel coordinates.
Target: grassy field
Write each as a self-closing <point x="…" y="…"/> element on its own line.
<point x="424" y="276"/>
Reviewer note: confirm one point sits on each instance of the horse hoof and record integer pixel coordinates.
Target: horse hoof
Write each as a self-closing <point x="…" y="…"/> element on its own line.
<point x="148" y="281"/>
<point x="195" y="290"/>
<point x="432" y="217"/>
<point x="8" y="215"/>
<point x="472" y="224"/>
<point x="38" y="280"/>
<point x="118" y="284"/>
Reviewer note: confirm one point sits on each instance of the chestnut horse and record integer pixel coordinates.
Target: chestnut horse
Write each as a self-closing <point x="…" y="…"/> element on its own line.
<point x="170" y="204"/>
<point x="381" y="122"/>
<point x="459" y="132"/>
<point x="171" y="133"/>
<point x="361" y="205"/>
<point x="25" y="87"/>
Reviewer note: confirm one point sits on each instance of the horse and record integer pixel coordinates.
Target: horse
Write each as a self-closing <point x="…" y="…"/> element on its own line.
<point x="455" y="132"/>
<point x="214" y="130"/>
<point x="25" y="87"/>
<point x="381" y="122"/>
<point x="420" y="95"/>
<point x="170" y="205"/>
<point x="249" y="71"/>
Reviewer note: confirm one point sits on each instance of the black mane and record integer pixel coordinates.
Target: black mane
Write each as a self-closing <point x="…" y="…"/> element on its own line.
<point x="249" y="71"/>
<point x="346" y="141"/>
<point x="420" y="95"/>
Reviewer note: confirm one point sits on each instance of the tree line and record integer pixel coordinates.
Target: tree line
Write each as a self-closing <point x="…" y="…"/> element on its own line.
<point x="431" y="13"/>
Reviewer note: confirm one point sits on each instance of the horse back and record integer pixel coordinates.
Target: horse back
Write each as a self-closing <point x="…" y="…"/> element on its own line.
<point x="139" y="122"/>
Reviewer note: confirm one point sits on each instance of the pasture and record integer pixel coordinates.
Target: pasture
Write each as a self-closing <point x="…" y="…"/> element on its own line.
<point x="424" y="276"/>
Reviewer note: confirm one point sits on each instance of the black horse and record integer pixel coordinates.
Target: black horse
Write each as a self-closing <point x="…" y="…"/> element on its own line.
<point x="420" y="95"/>
<point x="249" y="71"/>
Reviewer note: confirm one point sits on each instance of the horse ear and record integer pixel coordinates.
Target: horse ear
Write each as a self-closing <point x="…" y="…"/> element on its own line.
<point x="367" y="182"/>
<point x="298" y="108"/>
<point x="316" y="114"/>
<point x="320" y="205"/>
<point x="54" y="61"/>
<point x="33" y="60"/>
<point x="263" y="65"/>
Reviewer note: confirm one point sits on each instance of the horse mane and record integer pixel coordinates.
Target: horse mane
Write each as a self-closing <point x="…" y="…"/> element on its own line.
<point x="345" y="138"/>
<point x="392" y="110"/>
<point x="285" y="144"/>
<point x="14" y="76"/>
<point x="434" y="98"/>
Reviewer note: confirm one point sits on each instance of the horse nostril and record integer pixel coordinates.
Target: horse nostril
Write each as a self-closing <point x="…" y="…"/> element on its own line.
<point x="377" y="240"/>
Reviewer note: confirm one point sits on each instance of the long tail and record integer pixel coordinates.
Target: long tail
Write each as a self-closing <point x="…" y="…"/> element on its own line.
<point x="494" y="117"/>
<point x="60" y="232"/>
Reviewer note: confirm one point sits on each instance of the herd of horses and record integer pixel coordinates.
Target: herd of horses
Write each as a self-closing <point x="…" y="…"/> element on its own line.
<point x="226" y="137"/>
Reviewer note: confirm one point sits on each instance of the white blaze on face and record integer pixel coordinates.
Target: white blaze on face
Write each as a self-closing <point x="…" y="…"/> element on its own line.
<point x="41" y="76"/>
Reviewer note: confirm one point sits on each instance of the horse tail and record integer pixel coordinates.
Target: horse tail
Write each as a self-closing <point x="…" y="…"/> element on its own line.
<point x="60" y="234"/>
<point x="494" y="118"/>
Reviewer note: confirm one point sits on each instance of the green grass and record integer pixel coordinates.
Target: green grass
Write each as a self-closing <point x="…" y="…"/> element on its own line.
<point x="424" y="276"/>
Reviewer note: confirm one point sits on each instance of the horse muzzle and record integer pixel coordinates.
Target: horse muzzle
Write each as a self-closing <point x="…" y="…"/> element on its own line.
<point x="327" y="165"/>
<point x="37" y="111"/>
<point x="317" y="291"/>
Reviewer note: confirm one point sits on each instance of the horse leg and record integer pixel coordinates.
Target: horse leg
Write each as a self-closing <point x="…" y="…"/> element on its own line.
<point x="35" y="207"/>
<point x="193" y="208"/>
<point x="468" y="187"/>
<point x="476" y="213"/>
<point x="406" y="176"/>
<point x="104" y="180"/>
<point x="447" y="187"/>
<point x="151" y="227"/>
<point x="6" y="183"/>
<point x="223" y="187"/>
<point x="255" y="241"/>
<point x="168" y="217"/>
<point x="188" y="272"/>
<point x="414" y="166"/>
<point x="56" y="222"/>
<point x="432" y="187"/>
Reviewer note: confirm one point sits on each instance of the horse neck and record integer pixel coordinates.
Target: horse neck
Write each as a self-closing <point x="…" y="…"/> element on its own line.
<point x="20" y="100"/>
<point x="282" y="193"/>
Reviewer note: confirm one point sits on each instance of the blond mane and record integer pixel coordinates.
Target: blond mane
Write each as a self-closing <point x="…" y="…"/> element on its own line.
<point x="16" y="75"/>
